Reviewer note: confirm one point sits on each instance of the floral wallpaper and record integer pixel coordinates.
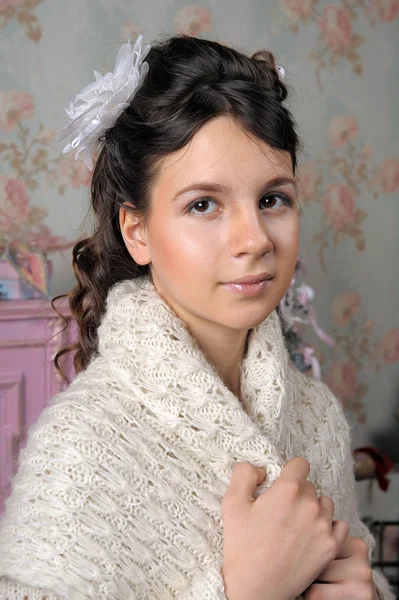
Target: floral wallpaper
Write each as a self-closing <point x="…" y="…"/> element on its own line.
<point x="338" y="38"/>
<point x="25" y="159"/>
<point x="341" y="59"/>
<point x="22" y="12"/>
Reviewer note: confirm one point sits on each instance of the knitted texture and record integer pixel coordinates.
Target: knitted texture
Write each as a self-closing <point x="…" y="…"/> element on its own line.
<point x="118" y="491"/>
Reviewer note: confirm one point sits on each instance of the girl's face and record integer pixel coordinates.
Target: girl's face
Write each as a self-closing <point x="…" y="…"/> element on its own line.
<point x="223" y="208"/>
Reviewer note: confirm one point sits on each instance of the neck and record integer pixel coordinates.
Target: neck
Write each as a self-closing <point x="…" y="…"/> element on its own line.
<point x="224" y="349"/>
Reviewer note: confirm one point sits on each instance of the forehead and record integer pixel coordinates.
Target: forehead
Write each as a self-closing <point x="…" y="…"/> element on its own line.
<point x="224" y="150"/>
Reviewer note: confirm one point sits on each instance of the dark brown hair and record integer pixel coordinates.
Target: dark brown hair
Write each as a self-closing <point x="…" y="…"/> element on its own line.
<point x="189" y="82"/>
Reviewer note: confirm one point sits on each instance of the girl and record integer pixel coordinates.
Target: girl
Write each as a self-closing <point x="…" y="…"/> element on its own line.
<point x="187" y="459"/>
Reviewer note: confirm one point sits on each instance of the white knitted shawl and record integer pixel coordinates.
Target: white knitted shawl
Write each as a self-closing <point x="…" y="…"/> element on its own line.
<point x="118" y="491"/>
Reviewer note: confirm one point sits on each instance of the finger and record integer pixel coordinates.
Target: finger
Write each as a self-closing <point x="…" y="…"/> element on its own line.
<point x="309" y="489"/>
<point x="327" y="508"/>
<point x="296" y="469"/>
<point x="354" y="546"/>
<point x="337" y="571"/>
<point x="340" y="530"/>
<point x="245" y="479"/>
<point x="323" y="591"/>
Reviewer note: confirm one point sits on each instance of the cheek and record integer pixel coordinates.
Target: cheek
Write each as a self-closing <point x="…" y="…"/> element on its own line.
<point x="286" y="249"/>
<point x="184" y="251"/>
<point x="292" y="244"/>
<point x="286" y="237"/>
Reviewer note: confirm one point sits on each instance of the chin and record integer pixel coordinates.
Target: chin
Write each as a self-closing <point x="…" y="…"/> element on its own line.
<point x="248" y="319"/>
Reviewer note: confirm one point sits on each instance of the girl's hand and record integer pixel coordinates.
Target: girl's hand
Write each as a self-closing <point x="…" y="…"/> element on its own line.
<point x="348" y="576"/>
<point x="276" y="545"/>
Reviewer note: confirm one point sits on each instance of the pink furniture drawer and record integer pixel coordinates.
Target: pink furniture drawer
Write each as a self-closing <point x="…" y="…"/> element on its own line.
<point x="28" y="379"/>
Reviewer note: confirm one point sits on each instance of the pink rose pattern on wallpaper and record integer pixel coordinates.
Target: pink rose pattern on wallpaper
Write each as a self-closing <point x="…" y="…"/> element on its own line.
<point x="337" y="40"/>
<point x="192" y="20"/>
<point x="340" y="177"/>
<point x="20" y="10"/>
<point x="28" y="158"/>
<point x="356" y="349"/>
<point x="130" y="31"/>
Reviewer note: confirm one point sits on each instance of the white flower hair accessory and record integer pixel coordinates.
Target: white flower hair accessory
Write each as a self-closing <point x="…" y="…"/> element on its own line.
<point x="281" y="72"/>
<point x="97" y="106"/>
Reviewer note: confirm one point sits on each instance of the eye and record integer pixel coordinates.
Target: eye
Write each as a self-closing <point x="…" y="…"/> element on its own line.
<point x="276" y="201"/>
<point x="201" y="206"/>
<point x="272" y="201"/>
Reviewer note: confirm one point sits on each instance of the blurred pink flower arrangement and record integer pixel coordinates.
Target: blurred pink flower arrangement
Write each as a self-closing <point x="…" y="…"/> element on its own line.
<point x="351" y="339"/>
<point x="25" y="242"/>
<point x="296" y="311"/>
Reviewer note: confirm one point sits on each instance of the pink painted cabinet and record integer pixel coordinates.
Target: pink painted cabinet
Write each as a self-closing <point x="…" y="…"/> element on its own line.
<point x="28" y="379"/>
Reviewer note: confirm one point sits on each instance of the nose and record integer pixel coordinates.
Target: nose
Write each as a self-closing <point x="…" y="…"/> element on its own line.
<point x="248" y="234"/>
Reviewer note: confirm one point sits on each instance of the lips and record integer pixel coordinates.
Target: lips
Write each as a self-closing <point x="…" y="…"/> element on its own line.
<point x="248" y="279"/>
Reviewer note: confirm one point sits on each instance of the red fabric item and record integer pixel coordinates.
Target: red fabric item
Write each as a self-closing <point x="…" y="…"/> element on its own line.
<point x="383" y="464"/>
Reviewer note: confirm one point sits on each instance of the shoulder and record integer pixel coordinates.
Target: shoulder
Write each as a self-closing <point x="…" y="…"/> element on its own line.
<point x="70" y="414"/>
<point x="77" y="428"/>
<point x="314" y="402"/>
<point x="66" y="435"/>
<point x="73" y="447"/>
<point x="322" y="434"/>
<point x="82" y="463"/>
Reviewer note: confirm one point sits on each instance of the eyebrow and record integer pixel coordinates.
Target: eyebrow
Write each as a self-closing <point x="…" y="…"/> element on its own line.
<point x="204" y="186"/>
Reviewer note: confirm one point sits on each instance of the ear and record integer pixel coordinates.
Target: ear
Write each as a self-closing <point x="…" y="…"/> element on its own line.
<point x="133" y="233"/>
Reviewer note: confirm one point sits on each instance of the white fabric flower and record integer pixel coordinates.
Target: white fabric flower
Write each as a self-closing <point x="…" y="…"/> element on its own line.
<point x="281" y="72"/>
<point x="97" y="107"/>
